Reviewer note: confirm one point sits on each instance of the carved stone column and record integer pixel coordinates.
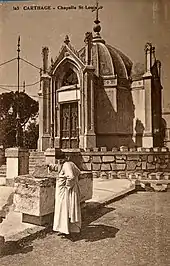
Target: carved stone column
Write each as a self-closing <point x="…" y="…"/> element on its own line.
<point x="45" y="105"/>
<point x="89" y="136"/>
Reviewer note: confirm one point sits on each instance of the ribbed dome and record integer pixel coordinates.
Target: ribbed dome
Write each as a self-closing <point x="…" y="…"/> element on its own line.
<point x="108" y="61"/>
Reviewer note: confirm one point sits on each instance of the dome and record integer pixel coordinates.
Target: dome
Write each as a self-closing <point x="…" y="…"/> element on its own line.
<point x="108" y="61"/>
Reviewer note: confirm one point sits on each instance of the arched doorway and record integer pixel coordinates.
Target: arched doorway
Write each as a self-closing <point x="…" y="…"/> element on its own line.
<point x="68" y="100"/>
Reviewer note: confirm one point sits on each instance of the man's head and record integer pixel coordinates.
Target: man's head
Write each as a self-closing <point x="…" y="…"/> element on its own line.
<point x="60" y="155"/>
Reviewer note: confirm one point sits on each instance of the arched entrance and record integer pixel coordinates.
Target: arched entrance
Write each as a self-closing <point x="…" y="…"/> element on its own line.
<point x="68" y="99"/>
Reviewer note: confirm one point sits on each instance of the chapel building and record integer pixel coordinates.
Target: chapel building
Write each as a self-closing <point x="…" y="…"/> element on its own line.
<point x="89" y="98"/>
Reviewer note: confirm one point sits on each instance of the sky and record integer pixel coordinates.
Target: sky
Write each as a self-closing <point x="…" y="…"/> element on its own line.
<point x="126" y="25"/>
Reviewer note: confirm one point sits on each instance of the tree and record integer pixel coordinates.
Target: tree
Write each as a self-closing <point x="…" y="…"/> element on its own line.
<point x="10" y="103"/>
<point x="31" y="135"/>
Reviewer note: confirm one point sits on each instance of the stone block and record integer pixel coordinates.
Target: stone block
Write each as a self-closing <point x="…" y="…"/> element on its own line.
<point x="168" y="187"/>
<point x="150" y="158"/>
<point x="86" y="158"/>
<point x="96" y="166"/>
<point x="95" y="149"/>
<point x="121" y="167"/>
<point x="50" y="156"/>
<point x="86" y="185"/>
<point x="103" y="149"/>
<point x="35" y="197"/>
<point x="17" y="162"/>
<point x="143" y="165"/>
<point x="164" y="149"/>
<point x="120" y="161"/>
<point x="140" y="149"/>
<point x="143" y="157"/>
<point x="163" y="166"/>
<point x="131" y="175"/>
<point x="166" y="176"/>
<point x="123" y="149"/>
<point x="87" y="150"/>
<point x="38" y="220"/>
<point x="121" y="158"/>
<point x="156" y="149"/>
<point x="112" y="175"/>
<point x="96" y="159"/>
<point x="114" y="166"/>
<point x="114" y="149"/>
<point x="118" y="167"/>
<point x="105" y="167"/>
<point x="104" y="175"/>
<point x="131" y="165"/>
<point x="133" y="157"/>
<point x="148" y="149"/>
<point x="159" y="176"/>
<point x="152" y="176"/>
<point x="167" y="160"/>
<point x="139" y="164"/>
<point x="108" y="158"/>
<point x="157" y="166"/>
<point x="139" y="175"/>
<point x="133" y="149"/>
<point x="138" y="167"/>
<point x="95" y="174"/>
<point x="121" y="175"/>
<point x="86" y="166"/>
<point x="151" y="166"/>
<point x="145" y="175"/>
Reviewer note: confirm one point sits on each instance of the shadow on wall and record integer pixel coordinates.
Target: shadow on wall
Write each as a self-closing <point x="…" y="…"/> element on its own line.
<point x="139" y="129"/>
<point x="114" y="124"/>
<point x="163" y="129"/>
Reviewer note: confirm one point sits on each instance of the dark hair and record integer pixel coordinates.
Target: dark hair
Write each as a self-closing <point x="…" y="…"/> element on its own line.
<point x="59" y="154"/>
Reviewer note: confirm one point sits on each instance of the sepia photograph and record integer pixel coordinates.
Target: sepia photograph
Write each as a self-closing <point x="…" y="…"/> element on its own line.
<point x="84" y="132"/>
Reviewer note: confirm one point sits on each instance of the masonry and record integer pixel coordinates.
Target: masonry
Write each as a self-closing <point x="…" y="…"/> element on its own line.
<point x="137" y="163"/>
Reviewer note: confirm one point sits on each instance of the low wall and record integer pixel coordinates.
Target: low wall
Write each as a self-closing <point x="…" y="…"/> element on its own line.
<point x="122" y="163"/>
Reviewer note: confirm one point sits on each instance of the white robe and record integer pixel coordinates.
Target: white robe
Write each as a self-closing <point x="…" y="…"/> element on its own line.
<point x="67" y="214"/>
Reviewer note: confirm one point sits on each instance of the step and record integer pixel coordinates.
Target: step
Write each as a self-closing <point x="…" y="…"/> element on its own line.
<point x="2" y="181"/>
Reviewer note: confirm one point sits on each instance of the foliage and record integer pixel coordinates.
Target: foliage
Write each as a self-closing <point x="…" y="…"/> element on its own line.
<point x="31" y="135"/>
<point x="27" y="109"/>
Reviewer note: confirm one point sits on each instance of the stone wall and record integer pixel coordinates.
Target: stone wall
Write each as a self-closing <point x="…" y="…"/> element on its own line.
<point x="124" y="163"/>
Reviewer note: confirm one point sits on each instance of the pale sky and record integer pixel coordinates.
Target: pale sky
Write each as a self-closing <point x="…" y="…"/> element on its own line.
<point x="126" y="25"/>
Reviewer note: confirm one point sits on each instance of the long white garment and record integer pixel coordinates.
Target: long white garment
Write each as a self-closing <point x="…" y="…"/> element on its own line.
<point x="67" y="214"/>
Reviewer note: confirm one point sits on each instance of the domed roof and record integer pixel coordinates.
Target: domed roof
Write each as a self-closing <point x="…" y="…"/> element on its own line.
<point x="108" y="61"/>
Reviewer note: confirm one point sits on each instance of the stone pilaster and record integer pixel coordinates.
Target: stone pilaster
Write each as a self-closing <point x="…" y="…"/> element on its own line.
<point x="44" y="106"/>
<point x="50" y="156"/>
<point x="89" y="136"/>
<point x="147" y="77"/>
<point x="17" y="163"/>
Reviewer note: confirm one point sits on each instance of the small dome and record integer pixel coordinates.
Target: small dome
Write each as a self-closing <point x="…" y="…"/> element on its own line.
<point x="108" y="61"/>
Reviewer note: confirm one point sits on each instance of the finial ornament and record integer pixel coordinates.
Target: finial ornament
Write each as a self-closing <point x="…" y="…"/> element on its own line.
<point x="97" y="28"/>
<point x="67" y="40"/>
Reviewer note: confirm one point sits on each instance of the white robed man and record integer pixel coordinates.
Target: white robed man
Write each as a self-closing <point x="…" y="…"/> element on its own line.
<point x="67" y="214"/>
